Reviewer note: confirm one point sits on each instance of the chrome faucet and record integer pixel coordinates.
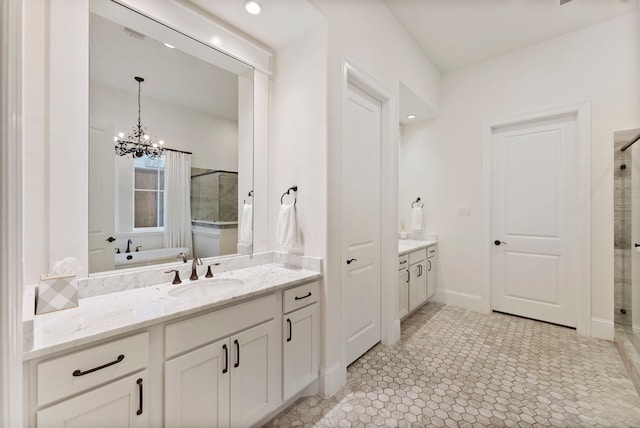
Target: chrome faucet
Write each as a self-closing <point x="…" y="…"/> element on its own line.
<point x="129" y="242"/>
<point x="194" y="273"/>
<point x="182" y="256"/>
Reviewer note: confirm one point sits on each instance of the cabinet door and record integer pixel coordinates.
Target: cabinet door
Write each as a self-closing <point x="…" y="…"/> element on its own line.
<point x="196" y="387"/>
<point x="421" y="283"/>
<point x="118" y="404"/>
<point x="413" y="287"/>
<point x="255" y="374"/>
<point x="403" y="293"/>
<point x="431" y="277"/>
<point x="300" y="349"/>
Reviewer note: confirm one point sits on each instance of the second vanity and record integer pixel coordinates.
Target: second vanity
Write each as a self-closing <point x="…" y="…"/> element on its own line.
<point x="227" y="351"/>
<point x="416" y="274"/>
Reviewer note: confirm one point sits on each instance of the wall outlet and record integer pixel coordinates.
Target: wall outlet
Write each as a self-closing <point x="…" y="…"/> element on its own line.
<point x="464" y="211"/>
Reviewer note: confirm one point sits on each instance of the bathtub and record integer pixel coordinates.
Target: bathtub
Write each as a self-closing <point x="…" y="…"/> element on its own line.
<point x="149" y="257"/>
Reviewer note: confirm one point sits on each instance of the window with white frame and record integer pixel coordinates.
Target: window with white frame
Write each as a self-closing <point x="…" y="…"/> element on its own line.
<point x="148" y="192"/>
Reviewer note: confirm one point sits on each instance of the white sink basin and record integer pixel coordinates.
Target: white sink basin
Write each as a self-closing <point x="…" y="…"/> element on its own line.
<point x="205" y="288"/>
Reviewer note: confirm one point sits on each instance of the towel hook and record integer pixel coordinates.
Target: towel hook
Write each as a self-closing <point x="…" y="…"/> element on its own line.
<point x="250" y="194"/>
<point x="295" y="189"/>
<point x="415" y="202"/>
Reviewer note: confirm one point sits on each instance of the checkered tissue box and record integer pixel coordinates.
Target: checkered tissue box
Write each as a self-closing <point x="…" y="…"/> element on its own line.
<point x="55" y="293"/>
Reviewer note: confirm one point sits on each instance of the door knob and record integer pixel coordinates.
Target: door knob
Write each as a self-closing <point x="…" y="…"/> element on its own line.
<point x="351" y="261"/>
<point x="498" y="242"/>
<point x="111" y="239"/>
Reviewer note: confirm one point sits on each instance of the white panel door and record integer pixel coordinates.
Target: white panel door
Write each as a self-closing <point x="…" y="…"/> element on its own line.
<point x="255" y="378"/>
<point x="196" y="387"/>
<point x="120" y="404"/>
<point x="534" y="268"/>
<point x="102" y="200"/>
<point x="361" y="221"/>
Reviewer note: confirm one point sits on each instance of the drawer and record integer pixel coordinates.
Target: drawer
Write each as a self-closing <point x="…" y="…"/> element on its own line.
<point x="418" y="256"/>
<point x="200" y="330"/>
<point x="303" y="295"/>
<point x="72" y="373"/>
<point x="432" y="251"/>
<point x="403" y="261"/>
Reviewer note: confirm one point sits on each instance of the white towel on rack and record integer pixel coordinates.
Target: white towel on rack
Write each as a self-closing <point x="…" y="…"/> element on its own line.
<point x="416" y="218"/>
<point x="287" y="233"/>
<point x="246" y="224"/>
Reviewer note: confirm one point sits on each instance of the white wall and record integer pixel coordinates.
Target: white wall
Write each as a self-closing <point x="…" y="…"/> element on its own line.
<point x="389" y="56"/>
<point x="599" y="64"/>
<point x="213" y="140"/>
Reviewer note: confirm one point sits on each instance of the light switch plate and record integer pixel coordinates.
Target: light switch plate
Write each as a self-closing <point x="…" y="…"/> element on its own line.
<point x="464" y="211"/>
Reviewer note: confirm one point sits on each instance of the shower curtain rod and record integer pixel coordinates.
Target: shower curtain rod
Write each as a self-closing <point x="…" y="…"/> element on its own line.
<point x="626" y="146"/>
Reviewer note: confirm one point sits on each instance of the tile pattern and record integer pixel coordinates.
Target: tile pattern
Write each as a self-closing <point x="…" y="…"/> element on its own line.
<point x="459" y="368"/>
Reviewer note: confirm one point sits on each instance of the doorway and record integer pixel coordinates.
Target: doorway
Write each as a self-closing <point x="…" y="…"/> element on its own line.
<point x="538" y="220"/>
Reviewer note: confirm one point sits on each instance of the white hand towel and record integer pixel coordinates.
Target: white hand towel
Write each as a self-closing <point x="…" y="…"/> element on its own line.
<point x="416" y="218"/>
<point x="287" y="233"/>
<point x="246" y="224"/>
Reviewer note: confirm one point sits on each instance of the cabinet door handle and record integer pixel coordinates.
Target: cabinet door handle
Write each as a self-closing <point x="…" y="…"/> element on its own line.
<point x="419" y="270"/>
<point x="82" y="373"/>
<point x="139" y="382"/>
<point x="303" y="297"/>
<point x="226" y="358"/>
<point x="289" y="322"/>
<point x="408" y="275"/>
<point x="429" y="261"/>
<point x="237" y="364"/>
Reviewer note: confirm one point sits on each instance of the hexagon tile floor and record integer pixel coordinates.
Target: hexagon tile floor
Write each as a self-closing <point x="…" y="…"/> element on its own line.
<point x="466" y="369"/>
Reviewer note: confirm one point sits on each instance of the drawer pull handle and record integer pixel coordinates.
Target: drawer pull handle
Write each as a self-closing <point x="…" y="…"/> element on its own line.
<point x="303" y="297"/>
<point x="237" y="364"/>
<point x="289" y="338"/>
<point x="81" y="373"/>
<point x="403" y="262"/>
<point x="139" y="382"/>
<point x="226" y="358"/>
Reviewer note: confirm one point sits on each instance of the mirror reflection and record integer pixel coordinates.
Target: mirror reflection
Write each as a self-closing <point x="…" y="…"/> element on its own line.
<point x="170" y="156"/>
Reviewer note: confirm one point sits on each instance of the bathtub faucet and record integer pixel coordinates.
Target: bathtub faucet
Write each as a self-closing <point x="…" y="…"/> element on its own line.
<point x="129" y="242"/>
<point x="194" y="273"/>
<point x="182" y="256"/>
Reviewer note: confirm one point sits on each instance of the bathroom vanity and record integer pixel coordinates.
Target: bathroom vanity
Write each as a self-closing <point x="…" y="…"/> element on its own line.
<point x="226" y="351"/>
<point x="416" y="274"/>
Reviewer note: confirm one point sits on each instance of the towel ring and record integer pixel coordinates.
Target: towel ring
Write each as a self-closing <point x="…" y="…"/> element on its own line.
<point x="250" y="194"/>
<point x="415" y="202"/>
<point x="295" y="189"/>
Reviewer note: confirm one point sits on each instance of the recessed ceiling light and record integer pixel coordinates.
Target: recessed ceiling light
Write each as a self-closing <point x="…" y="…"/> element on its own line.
<point x="169" y="46"/>
<point x="411" y="116"/>
<point x="252" y="6"/>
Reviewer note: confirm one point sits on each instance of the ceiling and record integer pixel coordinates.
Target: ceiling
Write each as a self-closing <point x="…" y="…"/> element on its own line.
<point x="456" y="33"/>
<point x="452" y="33"/>
<point x="171" y="75"/>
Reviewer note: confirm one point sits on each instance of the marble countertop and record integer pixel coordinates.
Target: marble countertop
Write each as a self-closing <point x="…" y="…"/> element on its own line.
<point x="113" y="314"/>
<point x="405" y="246"/>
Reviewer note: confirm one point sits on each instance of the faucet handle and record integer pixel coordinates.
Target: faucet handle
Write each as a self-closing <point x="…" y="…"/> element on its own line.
<point x="209" y="274"/>
<point x="176" y="278"/>
<point x="138" y="247"/>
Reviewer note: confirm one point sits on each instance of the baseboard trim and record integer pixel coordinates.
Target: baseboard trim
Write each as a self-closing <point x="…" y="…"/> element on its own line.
<point x="459" y="300"/>
<point x="602" y="329"/>
<point x="332" y="379"/>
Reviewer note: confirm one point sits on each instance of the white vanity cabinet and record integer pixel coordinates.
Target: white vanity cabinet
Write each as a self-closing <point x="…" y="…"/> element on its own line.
<point x="300" y="338"/>
<point x="403" y="286"/>
<point x="93" y="379"/>
<point x="432" y="256"/>
<point x="222" y="367"/>
<point x="416" y="279"/>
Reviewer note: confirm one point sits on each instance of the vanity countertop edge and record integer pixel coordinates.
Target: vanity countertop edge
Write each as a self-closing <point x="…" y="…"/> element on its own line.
<point x="110" y="315"/>
<point x="406" y="246"/>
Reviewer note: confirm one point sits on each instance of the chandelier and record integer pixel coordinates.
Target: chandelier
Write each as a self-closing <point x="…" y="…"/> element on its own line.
<point x="138" y="143"/>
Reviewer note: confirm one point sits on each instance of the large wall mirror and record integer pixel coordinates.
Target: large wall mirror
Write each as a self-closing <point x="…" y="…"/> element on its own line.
<point x="185" y="183"/>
